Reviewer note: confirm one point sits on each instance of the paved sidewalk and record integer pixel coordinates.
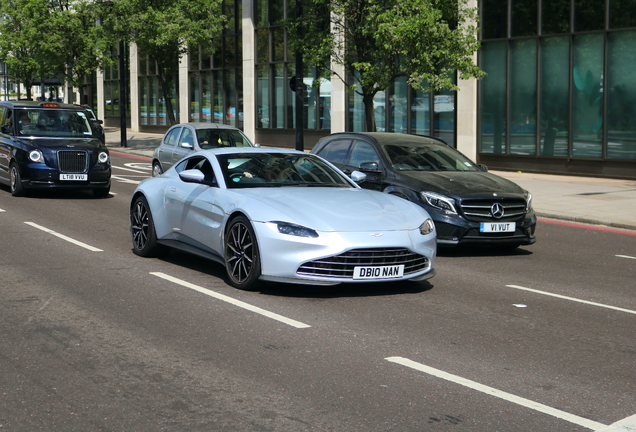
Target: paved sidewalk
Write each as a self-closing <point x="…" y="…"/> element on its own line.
<point x="598" y="201"/>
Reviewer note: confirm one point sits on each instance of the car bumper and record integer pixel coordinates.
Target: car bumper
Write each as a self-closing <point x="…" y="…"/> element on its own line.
<point x="36" y="176"/>
<point x="454" y="230"/>
<point x="304" y="260"/>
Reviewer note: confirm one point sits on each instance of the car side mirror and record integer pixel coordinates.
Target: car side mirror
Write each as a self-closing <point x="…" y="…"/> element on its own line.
<point x="358" y="176"/>
<point x="369" y="166"/>
<point x="6" y="129"/>
<point x="98" y="121"/>
<point x="195" y="176"/>
<point x="482" y="167"/>
<point x="187" y="145"/>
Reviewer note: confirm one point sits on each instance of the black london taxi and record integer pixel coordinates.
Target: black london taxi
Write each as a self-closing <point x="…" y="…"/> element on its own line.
<point x="47" y="145"/>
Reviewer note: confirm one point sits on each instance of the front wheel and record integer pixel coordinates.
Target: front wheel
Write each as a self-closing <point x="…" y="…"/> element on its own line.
<point x="242" y="259"/>
<point x="142" y="229"/>
<point x="101" y="193"/>
<point x="17" y="190"/>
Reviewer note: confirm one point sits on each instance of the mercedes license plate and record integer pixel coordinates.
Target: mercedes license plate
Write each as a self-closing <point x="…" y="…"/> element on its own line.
<point x="378" y="272"/>
<point x="495" y="227"/>
<point x="74" y="177"/>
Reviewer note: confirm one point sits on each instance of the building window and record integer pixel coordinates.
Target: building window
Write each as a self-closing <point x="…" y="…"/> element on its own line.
<point x="621" y="93"/>
<point x="522" y="114"/>
<point x="493" y="97"/>
<point x="555" y="107"/>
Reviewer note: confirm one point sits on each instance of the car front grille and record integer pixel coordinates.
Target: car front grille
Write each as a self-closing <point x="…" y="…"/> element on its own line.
<point x="482" y="210"/>
<point x="72" y="161"/>
<point x="341" y="266"/>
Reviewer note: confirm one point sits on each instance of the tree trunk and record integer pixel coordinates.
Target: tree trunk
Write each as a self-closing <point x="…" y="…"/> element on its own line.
<point x="369" y="114"/>
<point x="166" y="90"/>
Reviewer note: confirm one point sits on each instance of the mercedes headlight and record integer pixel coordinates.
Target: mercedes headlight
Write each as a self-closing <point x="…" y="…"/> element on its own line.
<point x="439" y="201"/>
<point x="103" y="157"/>
<point x="295" y="230"/>
<point x="528" y="201"/>
<point x="36" y="156"/>
<point x="427" y="227"/>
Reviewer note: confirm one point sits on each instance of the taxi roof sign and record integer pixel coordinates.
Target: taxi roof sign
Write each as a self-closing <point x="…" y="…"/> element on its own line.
<point x="49" y="105"/>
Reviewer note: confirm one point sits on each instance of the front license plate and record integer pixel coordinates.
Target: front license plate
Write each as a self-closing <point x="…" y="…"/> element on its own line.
<point x="378" y="272"/>
<point x="491" y="227"/>
<point x="74" y="177"/>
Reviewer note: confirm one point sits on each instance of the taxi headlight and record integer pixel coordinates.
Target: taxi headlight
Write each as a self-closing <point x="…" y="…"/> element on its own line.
<point x="427" y="227"/>
<point x="103" y="157"/>
<point x="36" y="156"/>
<point x="295" y="230"/>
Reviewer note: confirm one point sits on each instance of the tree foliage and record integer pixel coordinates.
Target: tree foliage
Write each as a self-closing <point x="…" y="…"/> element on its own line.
<point x="378" y="41"/>
<point x="164" y="30"/>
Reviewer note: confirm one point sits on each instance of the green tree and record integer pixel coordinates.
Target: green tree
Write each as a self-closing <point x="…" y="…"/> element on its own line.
<point x="22" y="44"/>
<point x="377" y="41"/>
<point x="164" y="30"/>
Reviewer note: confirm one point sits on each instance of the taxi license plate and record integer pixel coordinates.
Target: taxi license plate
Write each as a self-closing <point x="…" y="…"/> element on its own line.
<point x="378" y="272"/>
<point x="74" y="177"/>
<point x="493" y="227"/>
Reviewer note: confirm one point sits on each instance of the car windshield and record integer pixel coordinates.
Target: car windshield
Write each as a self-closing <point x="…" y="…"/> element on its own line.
<point x="249" y="170"/>
<point x="213" y="138"/>
<point x="46" y="122"/>
<point x="427" y="158"/>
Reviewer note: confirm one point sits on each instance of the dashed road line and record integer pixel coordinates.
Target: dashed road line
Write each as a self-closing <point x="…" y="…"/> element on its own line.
<point x="63" y="237"/>
<point x="130" y="169"/>
<point x="626" y="256"/>
<point x="572" y="299"/>
<point x="231" y="300"/>
<point x="590" y="424"/>
<point x="124" y="179"/>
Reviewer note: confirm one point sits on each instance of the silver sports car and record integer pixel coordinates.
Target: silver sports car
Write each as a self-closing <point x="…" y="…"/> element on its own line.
<point x="281" y="215"/>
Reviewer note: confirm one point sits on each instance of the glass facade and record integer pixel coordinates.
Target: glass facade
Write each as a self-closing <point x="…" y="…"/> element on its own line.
<point x="111" y="84"/>
<point x="216" y="75"/>
<point x="152" y="105"/>
<point x="559" y="79"/>
<point x="275" y="67"/>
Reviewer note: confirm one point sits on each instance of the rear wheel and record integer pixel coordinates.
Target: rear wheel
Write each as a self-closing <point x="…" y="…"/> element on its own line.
<point x="142" y="229"/>
<point x="17" y="190"/>
<point x="242" y="259"/>
<point x="156" y="169"/>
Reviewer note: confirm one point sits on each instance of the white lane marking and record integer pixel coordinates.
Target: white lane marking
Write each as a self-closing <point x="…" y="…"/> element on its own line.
<point x="2" y="211"/>
<point x="139" y="165"/>
<point x="626" y="425"/>
<point x="573" y="299"/>
<point x="63" y="237"/>
<point x="128" y="169"/>
<point x="590" y="424"/>
<point x="626" y="256"/>
<point x="231" y="300"/>
<point x="124" y="179"/>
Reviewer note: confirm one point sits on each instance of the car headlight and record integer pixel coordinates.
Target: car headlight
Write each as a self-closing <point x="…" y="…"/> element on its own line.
<point x="295" y="230"/>
<point x="427" y="227"/>
<point x="439" y="201"/>
<point x="528" y="201"/>
<point x="103" y="157"/>
<point x="36" y="156"/>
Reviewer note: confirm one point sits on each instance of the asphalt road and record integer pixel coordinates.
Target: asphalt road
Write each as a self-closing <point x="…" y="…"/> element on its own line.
<point x="94" y="338"/>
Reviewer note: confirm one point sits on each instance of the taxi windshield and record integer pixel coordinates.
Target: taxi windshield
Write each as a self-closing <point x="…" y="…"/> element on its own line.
<point x="45" y="122"/>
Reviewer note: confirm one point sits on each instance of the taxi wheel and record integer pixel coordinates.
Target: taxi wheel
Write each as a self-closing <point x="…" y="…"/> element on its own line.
<point x="142" y="229"/>
<point x="242" y="259"/>
<point x="101" y="193"/>
<point x="17" y="190"/>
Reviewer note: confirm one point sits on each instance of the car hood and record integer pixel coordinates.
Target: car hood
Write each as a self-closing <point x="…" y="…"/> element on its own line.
<point x="66" y="143"/>
<point x="334" y="209"/>
<point x="465" y="184"/>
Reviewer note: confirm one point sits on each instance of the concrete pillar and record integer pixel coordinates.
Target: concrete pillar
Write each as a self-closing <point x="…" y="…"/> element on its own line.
<point x="338" y="92"/>
<point x="249" y="71"/>
<point x="133" y="58"/>
<point x="184" y="90"/>
<point x="466" y="105"/>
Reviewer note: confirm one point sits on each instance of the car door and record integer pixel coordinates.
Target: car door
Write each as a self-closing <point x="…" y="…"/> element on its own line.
<point x="185" y="144"/>
<point x="363" y="157"/>
<point x="6" y="141"/>
<point x="190" y="207"/>
<point x="166" y="149"/>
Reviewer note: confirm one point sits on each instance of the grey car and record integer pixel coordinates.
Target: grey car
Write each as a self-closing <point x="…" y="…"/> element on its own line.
<point x="184" y="139"/>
